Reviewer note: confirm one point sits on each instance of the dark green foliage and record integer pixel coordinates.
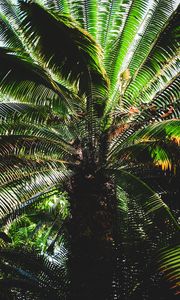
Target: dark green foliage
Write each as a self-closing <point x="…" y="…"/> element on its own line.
<point x="89" y="104"/>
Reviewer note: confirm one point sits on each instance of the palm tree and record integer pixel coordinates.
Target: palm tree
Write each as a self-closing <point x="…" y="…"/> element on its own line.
<point x="89" y="104"/>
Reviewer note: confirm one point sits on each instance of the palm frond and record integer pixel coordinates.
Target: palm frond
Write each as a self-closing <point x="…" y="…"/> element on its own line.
<point x="39" y="117"/>
<point x="165" y="130"/>
<point x="164" y="51"/>
<point x="54" y="4"/>
<point x="110" y="19"/>
<point x="169" y="130"/>
<point x="22" y="208"/>
<point x="168" y="263"/>
<point x="164" y="105"/>
<point x="140" y="233"/>
<point x="146" y="197"/>
<point x="159" y="22"/>
<point x="33" y="148"/>
<point x="9" y="37"/>
<point x="162" y="155"/>
<point x="32" y="275"/>
<point x="79" y="54"/>
<point x="14" y="169"/>
<point x="134" y="17"/>
<point x="85" y="13"/>
<point x="20" y="191"/>
<point x="33" y="131"/>
<point x="161" y="80"/>
<point x="16" y="111"/>
<point x="23" y="80"/>
<point x="10" y="12"/>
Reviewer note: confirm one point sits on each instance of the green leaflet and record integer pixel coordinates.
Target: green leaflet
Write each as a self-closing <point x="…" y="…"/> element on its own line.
<point x="161" y="54"/>
<point x="34" y="274"/>
<point x="59" y="59"/>
<point x="168" y="260"/>
<point x="17" y="192"/>
<point x="156" y="132"/>
<point x="134" y="17"/>
<point x="145" y="196"/>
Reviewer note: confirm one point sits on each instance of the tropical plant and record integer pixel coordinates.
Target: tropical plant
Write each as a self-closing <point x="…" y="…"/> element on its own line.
<point x="37" y="228"/>
<point x="89" y="103"/>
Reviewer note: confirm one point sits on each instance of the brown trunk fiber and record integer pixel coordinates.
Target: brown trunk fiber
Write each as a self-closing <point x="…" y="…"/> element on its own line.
<point x="91" y="262"/>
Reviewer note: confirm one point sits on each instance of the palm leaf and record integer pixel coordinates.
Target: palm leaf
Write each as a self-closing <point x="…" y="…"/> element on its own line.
<point x="162" y="103"/>
<point x="13" y="169"/>
<point x="165" y="105"/>
<point x="84" y="12"/>
<point x="133" y="20"/>
<point x="79" y="50"/>
<point x="31" y="81"/>
<point x="54" y="4"/>
<point x="30" y="131"/>
<point x="22" y="208"/>
<point x="33" y="275"/>
<point x="150" y="153"/>
<point x="168" y="130"/>
<point x="33" y="149"/>
<point x="164" y="130"/>
<point x="10" y="13"/>
<point x="140" y="233"/>
<point x="17" y="114"/>
<point x="110" y="21"/>
<point x="9" y="37"/>
<point x="163" y="50"/>
<point x="146" y="197"/>
<point x="13" y="111"/>
<point x="21" y="191"/>
<point x="168" y="263"/>
<point x="161" y="18"/>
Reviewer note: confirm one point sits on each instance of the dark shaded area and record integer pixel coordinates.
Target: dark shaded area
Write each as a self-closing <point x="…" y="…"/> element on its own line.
<point x="167" y="184"/>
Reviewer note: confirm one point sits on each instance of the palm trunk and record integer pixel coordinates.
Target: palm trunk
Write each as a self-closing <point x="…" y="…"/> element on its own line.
<point x="91" y="263"/>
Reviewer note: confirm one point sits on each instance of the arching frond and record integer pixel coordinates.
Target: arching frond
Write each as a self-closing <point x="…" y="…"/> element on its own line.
<point x="29" y="132"/>
<point x="33" y="148"/>
<point x="163" y="54"/>
<point x="21" y="190"/>
<point x="85" y="13"/>
<point x="15" y="169"/>
<point x="110" y="21"/>
<point x="166" y="130"/>
<point x="169" y="130"/>
<point x="146" y="197"/>
<point x="23" y="80"/>
<point x="139" y="224"/>
<point x="123" y="41"/>
<point x="9" y="37"/>
<point x="160" y="154"/>
<point x="9" y="10"/>
<point x="165" y="104"/>
<point x="53" y="4"/>
<point x="38" y="117"/>
<point x="36" y="277"/>
<point x="17" y="111"/>
<point x="79" y="54"/>
<point x="168" y="262"/>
